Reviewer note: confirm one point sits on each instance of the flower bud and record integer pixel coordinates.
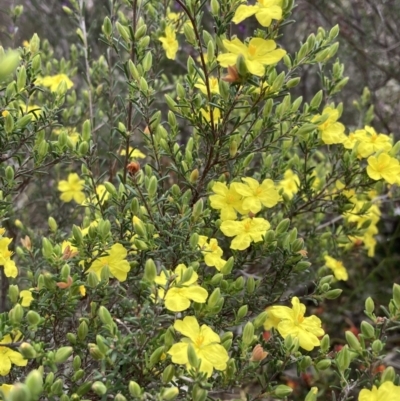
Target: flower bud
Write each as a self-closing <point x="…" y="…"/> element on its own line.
<point x="62" y="354"/>
<point x="367" y="330"/>
<point x="33" y="318"/>
<point x="27" y="351"/>
<point x="134" y="389"/>
<point x="194" y="176"/>
<point x="260" y="319"/>
<point x="119" y="397"/>
<point x="192" y="357"/>
<point x="282" y="391"/>
<point x="258" y="354"/>
<point x="34" y="382"/>
<point x="377" y="346"/>
<point x="242" y="312"/>
<point x="95" y="352"/>
<point x="92" y="280"/>
<point x="13" y="293"/>
<point x="150" y="271"/>
<point x="343" y="359"/>
<point x="248" y="333"/>
<point x="170" y="393"/>
<point x="99" y="388"/>
<point x="396" y="295"/>
<point x="325" y="343"/>
<point x="214" y="298"/>
<point x="312" y="394"/>
<point x="388" y="375"/>
<point x="83" y="330"/>
<point x="228" y="266"/>
<point x="198" y="393"/>
<point x="369" y="305"/>
<point x="105" y="316"/>
<point x="156" y="355"/>
<point x="353" y="342"/>
<point x="16" y="314"/>
<point x="19" y="392"/>
<point x="323" y="364"/>
<point x="168" y="374"/>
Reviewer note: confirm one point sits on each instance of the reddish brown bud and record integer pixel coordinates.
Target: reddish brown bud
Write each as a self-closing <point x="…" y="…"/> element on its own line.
<point x="258" y="354"/>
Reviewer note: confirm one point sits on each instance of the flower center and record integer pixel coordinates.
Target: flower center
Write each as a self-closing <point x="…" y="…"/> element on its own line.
<point x="252" y="50"/>
<point x="247" y="226"/>
<point x="199" y="341"/>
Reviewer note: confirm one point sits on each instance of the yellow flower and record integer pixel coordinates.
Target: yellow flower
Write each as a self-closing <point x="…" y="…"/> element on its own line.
<point x="257" y="54"/>
<point x="290" y="183"/>
<point x="227" y="200"/>
<point x="115" y="260"/>
<point x="265" y="11"/>
<point x="205" y="112"/>
<point x="82" y="290"/>
<point x="387" y="391"/>
<point x="245" y="231"/>
<point x="52" y="81"/>
<point x="102" y="195"/>
<point x="214" y="85"/>
<point x="212" y="252"/>
<point x="331" y="130"/>
<point x="133" y="153"/>
<point x="10" y="269"/>
<point x="178" y="293"/>
<point x="72" y="189"/>
<point x="291" y="321"/>
<point x="71" y="132"/>
<point x="337" y="267"/>
<point x="369" y="142"/>
<point x="85" y="230"/>
<point x="9" y="356"/>
<point x="383" y="167"/>
<point x="206" y="344"/>
<point x="5" y="390"/>
<point x="169" y="42"/>
<point x="256" y="195"/>
<point x="5" y="113"/>
<point x="26" y="298"/>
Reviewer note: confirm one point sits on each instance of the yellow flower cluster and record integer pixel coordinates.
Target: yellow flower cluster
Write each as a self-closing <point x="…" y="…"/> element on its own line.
<point x="359" y="216"/>
<point x="246" y="198"/>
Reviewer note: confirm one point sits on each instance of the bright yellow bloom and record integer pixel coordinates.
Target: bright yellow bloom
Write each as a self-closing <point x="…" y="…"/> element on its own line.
<point x="257" y="54"/>
<point x="245" y="231"/>
<point x="5" y="389"/>
<point x="265" y="11"/>
<point x="85" y="230"/>
<point x="337" y="268"/>
<point x="115" y="260"/>
<point x="383" y="167"/>
<point x="212" y="252"/>
<point x="331" y="130"/>
<point x="256" y="195"/>
<point x="10" y="269"/>
<point x="72" y="189"/>
<point x="169" y="42"/>
<point x="133" y="153"/>
<point x="206" y="344"/>
<point x="26" y="298"/>
<point x="369" y="142"/>
<point x="227" y="200"/>
<point x="214" y="85"/>
<point x="73" y="135"/>
<point x="387" y="391"/>
<point x="53" y="81"/>
<point x="178" y="293"/>
<point x="82" y="290"/>
<point x="9" y="356"/>
<point x="291" y="321"/>
<point x="205" y="112"/>
<point x="290" y="183"/>
<point x="102" y="195"/>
